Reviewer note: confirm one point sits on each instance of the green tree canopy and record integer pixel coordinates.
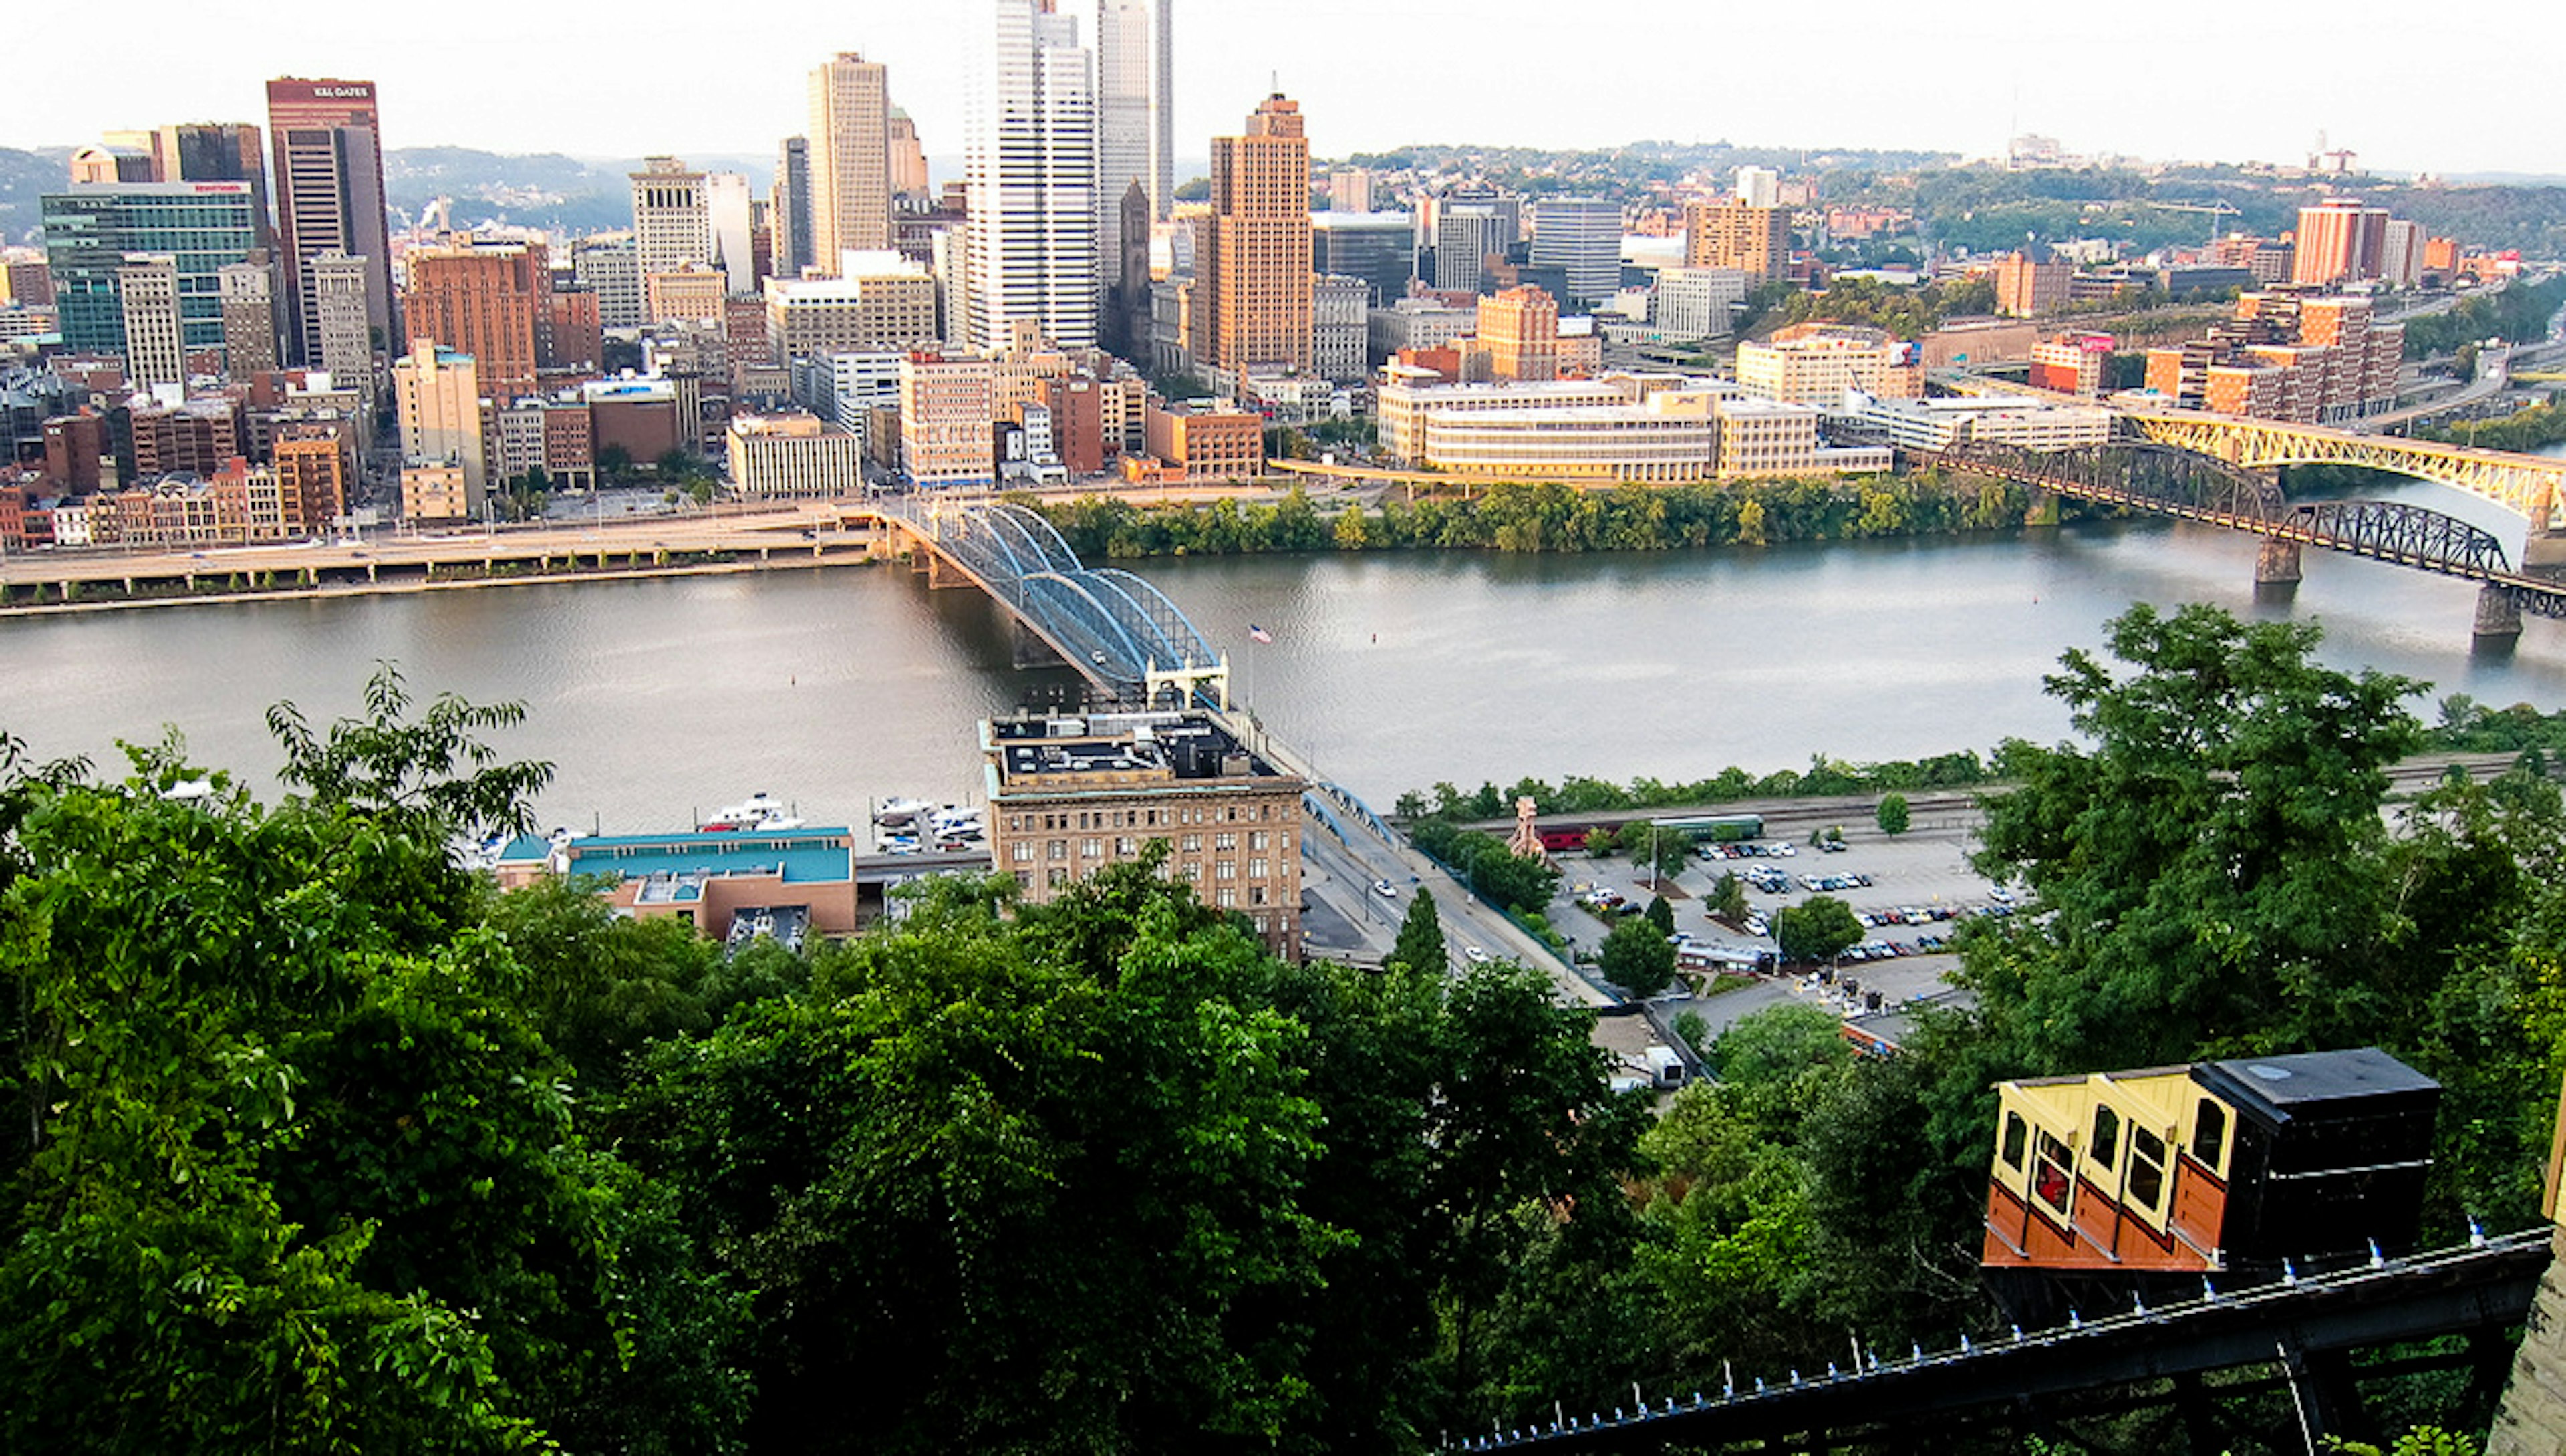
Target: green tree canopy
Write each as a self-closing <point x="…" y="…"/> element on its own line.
<point x="1637" y="957"/>
<point x="1419" y="947"/>
<point x="1894" y="814"/>
<point x="1818" y="928"/>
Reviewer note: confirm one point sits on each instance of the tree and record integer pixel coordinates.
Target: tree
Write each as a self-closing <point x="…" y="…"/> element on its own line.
<point x="1728" y="898"/>
<point x="614" y="465"/>
<point x="1892" y="814"/>
<point x="1598" y="843"/>
<point x="2210" y="869"/>
<point x="1662" y="916"/>
<point x="1818" y="928"/>
<point x="1637" y="957"/>
<point x="1419" y="947"/>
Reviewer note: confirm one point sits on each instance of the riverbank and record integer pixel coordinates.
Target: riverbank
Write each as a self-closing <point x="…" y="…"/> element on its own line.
<point x="1554" y="518"/>
<point x="413" y="585"/>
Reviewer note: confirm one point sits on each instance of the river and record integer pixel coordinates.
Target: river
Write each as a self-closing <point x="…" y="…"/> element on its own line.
<point x="661" y="698"/>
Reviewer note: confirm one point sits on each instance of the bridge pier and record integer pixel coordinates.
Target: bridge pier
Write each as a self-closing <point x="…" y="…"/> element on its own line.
<point x="2277" y="563"/>
<point x="2543" y="553"/>
<point x="1030" y="650"/>
<point x="942" y="574"/>
<point x="2498" y="618"/>
<point x="2044" y="509"/>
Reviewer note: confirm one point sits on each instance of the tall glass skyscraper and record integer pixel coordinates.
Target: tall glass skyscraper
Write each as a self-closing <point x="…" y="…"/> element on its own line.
<point x="90" y="230"/>
<point x="1031" y="177"/>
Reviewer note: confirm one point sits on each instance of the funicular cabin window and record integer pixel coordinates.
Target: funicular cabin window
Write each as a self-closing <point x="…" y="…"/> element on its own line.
<point x="2049" y="1180"/>
<point x="2107" y="1137"/>
<point x="2147" y="1168"/>
<point x="2208" y="1133"/>
<point x="2017" y="1134"/>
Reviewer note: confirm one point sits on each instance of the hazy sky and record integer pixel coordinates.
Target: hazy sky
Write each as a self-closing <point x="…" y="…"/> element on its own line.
<point x="2165" y="81"/>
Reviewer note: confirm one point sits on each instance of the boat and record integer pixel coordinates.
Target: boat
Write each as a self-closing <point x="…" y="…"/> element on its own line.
<point x="756" y="812"/>
<point x="901" y="812"/>
<point x="952" y="823"/>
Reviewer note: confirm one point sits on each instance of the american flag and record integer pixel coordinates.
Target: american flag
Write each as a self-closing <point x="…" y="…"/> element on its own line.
<point x="1259" y="635"/>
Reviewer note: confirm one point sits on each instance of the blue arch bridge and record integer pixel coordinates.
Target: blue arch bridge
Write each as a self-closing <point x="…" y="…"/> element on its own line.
<point x="1121" y="633"/>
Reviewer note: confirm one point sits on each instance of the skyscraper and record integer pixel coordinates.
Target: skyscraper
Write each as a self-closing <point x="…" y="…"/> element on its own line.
<point x="1732" y="234"/>
<point x="155" y="352"/>
<point x="791" y="209"/>
<point x="249" y="317"/>
<point x="850" y="158"/>
<point x="482" y="301"/>
<point x="2339" y="239"/>
<point x="1135" y="110"/>
<point x="672" y="222"/>
<point x="341" y="298"/>
<point x="1258" y="274"/>
<point x="328" y="178"/>
<point x="734" y="225"/>
<point x="908" y="157"/>
<point x="203" y="226"/>
<point x="214" y="151"/>
<point x="1581" y="236"/>
<point x="1031" y="177"/>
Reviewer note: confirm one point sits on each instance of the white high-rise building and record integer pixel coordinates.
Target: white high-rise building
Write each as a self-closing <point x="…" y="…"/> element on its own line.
<point x="733" y="221"/>
<point x="1135" y="110"/>
<point x="155" y="348"/>
<point x="1583" y="237"/>
<point x="672" y="224"/>
<point x="1759" y="186"/>
<point x="1031" y="178"/>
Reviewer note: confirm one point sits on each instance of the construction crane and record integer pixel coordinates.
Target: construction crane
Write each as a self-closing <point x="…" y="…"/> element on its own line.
<point x="2215" y="210"/>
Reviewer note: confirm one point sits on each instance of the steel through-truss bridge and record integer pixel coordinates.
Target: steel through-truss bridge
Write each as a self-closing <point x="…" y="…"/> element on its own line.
<point x="1120" y="632"/>
<point x="2170" y="480"/>
<point x="2530" y="486"/>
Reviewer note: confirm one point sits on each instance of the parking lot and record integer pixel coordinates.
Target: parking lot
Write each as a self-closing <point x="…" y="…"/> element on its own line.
<point x="1914" y="890"/>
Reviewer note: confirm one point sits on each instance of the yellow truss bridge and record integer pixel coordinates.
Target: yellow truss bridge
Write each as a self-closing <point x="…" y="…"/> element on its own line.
<point x="2530" y="486"/>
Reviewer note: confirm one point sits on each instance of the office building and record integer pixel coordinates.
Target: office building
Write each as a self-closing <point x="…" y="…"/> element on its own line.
<point x="1656" y="429"/>
<point x="1769" y="440"/>
<point x="1031" y="177"/>
<point x="481" y="300"/>
<point x="673" y="223"/>
<point x="1469" y="232"/>
<point x="2031" y="282"/>
<point x="112" y="163"/>
<point x="1518" y="331"/>
<point x="1253" y="315"/>
<point x="877" y="301"/>
<point x="947" y="406"/>
<point x="1071" y="796"/>
<point x="1135" y="110"/>
<point x="1207" y="443"/>
<point x="1350" y="190"/>
<point x="849" y="143"/>
<point x="1732" y="234"/>
<point x="907" y="158"/>
<point x="155" y="352"/>
<point x="202" y="227"/>
<point x="732" y="217"/>
<point x="1815" y="363"/>
<point x="310" y="463"/>
<point x="26" y="279"/>
<point x="1582" y="238"/>
<point x="1377" y="247"/>
<point x="214" y="151"/>
<point x="1760" y="187"/>
<point x="2340" y="240"/>
<point x="794" y="457"/>
<point x="438" y="394"/>
<point x="248" y="293"/>
<point x="2401" y="254"/>
<point x="1696" y="303"/>
<point x="1415" y="323"/>
<point x="340" y="295"/>
<point x="789" y="213"/>
<point x="1990" y="419"/>
<point x="2074" y="364"/>
<point x="692" y="294"/>
<point x="611" y="267"/>
<point x="329" y="181"/>
<point x="1340" y="328"/>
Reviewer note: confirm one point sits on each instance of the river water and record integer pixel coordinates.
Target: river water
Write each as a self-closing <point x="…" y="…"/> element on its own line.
<point x="662" y="698"/>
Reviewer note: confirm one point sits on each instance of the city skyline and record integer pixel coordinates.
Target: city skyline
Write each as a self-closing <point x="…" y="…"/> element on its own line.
<point x="1922" y="80"/>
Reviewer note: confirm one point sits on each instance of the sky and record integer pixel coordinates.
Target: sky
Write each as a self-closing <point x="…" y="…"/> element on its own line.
<point x="2232" y="83"/>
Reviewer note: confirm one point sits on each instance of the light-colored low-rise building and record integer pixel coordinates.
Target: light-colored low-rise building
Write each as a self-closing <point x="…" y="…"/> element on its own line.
<point x="794" y="457"/>
<point x="878" y="301"/>
<point x="1207" y="443"/>
<point x="438" y="491"/>
<point x="1995" y="420"/>
<point x="1815" y="363"/>
<point x="1696" y="303"/>
<point x="1667" y="438"/>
